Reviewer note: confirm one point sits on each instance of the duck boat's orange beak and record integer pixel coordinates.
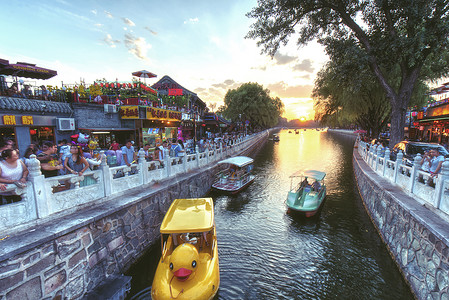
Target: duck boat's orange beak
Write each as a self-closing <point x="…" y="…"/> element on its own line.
<point x="182" y="274"/>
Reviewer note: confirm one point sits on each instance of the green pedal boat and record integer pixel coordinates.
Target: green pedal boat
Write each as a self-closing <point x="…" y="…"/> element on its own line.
<point x="307" y="195"/>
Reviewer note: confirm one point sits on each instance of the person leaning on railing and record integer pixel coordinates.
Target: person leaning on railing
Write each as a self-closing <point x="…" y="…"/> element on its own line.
<point x="12" y="171"/>
<point x="436" y="162"/>
<point x="425" y="161"/>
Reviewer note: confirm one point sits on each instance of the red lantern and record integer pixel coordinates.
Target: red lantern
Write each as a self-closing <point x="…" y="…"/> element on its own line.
<point x="107" y="85"/>
<point x="101" y="84"/>
<point x="112" y="85"/>
<point x="118" y="85"/>
<point x="32" y="132"/>
<point x="130" y="85"/>
<point x="135" y="85"/>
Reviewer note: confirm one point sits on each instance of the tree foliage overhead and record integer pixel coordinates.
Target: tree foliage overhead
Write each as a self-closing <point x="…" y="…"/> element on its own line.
<point x="347" y="92"/>
<point x="411" y="36"/>
<point x="252" y="102"/>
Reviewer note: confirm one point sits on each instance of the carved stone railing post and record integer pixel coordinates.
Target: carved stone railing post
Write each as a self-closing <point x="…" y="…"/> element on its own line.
<point x="197" y="156"/>
<point x="143" y="168"/>
<point x="370" y="154"/>
<point x="386" y="159"/>
<point x="414" y="174"/>
<point x="184" y="162"/>
<point x="167" y="162"/>
<point x="373" y="155"/>
<point x="378" y="156"/>
<point x="106" y="175"/>
<point x="398" y="162"/>
<point x="40" y="194"/>
<point x="444" y="175"/>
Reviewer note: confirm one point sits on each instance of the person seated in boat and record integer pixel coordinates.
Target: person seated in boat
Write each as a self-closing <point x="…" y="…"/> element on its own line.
<point x="316" y="186"/>
<point x="232" y="171"/>
<point x="305" y="183"/>
<point x="191" y="238"/>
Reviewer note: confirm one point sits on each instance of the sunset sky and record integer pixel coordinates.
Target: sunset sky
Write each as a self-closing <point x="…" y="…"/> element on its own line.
<point x="200" y="44"/>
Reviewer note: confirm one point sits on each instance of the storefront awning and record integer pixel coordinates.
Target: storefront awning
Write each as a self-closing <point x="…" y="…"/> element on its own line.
<point x="436" y="118"/>
<point x="107" y="129"/>
<point x="26" y="70"/>
<point x="3" y="62"/>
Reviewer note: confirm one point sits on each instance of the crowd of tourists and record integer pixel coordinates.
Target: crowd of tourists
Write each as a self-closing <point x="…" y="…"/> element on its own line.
<point x="431" y="161"/>
<point x="67" y="158"/>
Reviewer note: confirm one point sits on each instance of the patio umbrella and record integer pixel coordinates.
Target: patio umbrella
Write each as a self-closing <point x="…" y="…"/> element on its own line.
<point x="26" y="70"/>
<point x="144" y="74"/>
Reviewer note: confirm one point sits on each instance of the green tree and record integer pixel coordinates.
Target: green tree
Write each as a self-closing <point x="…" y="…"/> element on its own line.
<point x="347" y="92"/>
<point x="253" y="103"/>
<point x="409" y="35"/>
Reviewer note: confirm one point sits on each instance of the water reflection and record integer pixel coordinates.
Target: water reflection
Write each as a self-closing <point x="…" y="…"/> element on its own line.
<point x="266" y="253"/>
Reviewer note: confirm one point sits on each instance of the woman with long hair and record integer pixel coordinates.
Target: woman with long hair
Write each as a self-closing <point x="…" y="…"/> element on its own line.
<point x="181" y="151"/>
<point x="32" y="149"/>
<point x="76" y="163"/>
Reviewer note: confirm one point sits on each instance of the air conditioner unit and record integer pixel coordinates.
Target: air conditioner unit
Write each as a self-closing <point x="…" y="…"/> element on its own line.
<point x="65" y="124"/>
<point x="110" y="108"/>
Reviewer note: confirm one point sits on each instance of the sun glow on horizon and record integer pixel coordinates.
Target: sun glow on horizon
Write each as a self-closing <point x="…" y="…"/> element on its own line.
<point x="298" y="108"/>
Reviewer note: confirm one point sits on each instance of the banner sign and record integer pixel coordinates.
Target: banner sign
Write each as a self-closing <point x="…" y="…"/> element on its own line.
<point x="129" y="112"/>
<point x="175" y="92"/>
<point x="151" y="113"/>
<point x="438" y="111"/>
<point x="163" y="114"/>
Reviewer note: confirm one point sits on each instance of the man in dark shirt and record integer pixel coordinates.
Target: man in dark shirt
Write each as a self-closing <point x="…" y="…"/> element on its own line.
<point x="50" y="163"/>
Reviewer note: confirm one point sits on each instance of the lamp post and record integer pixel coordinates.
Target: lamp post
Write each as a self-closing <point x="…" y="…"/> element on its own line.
<point x="240" y="123"/>
<point x="193" y="116"/>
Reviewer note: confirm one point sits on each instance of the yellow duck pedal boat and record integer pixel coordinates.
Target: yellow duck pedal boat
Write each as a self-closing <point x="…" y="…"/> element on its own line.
<point x="188" y="268"/>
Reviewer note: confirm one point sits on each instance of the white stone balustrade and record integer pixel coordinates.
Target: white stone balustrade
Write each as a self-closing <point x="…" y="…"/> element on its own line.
<point x="43" y="197"/>
<point x="433" y="191"/>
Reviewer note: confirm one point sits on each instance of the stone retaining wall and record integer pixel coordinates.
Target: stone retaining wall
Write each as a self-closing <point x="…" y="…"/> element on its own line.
<point x="416" y="235"/>
<point x="65" y="258"/>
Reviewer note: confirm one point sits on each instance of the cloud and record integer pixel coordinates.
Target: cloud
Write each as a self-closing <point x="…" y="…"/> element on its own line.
<point x="191" y="21"/>
<point x="216" y="40"/>
<point x="110" y="42"/>
<point x="150" y="30"/>
<point x="281" y="89"/>
<point x="282" y="59"/>
<point x="109" y="15"/>
<point x="94" y="11"/>
<point x="305" y="65"/>
<point x="199" y="90"/>
<point x="137" y="46"/>
<point x="128" y="22"/>
<point x="98" y="25"/>
<point x="263" y="68"/>
<point x="225" y="84"/>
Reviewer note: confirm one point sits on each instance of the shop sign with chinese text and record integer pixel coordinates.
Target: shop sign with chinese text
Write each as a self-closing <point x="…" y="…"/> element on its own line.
<point x="163" y="114"/>
<point x="16" y="120"/>
<point x="129" y="112"/>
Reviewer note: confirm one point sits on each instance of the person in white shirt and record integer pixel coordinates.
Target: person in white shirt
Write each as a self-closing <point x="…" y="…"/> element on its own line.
<point x="128" y="154"/>
<point x="436" y="162"/>
<point x="147" y="153"/>
<point x="425" y="161"/>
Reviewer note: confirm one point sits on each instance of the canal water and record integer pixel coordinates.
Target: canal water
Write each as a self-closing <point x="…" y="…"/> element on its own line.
<point x="265" y="253"/>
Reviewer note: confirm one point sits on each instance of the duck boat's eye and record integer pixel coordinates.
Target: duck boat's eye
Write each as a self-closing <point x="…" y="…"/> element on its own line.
<point x="194" y="263"/>
<point x="171" y="266"/>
